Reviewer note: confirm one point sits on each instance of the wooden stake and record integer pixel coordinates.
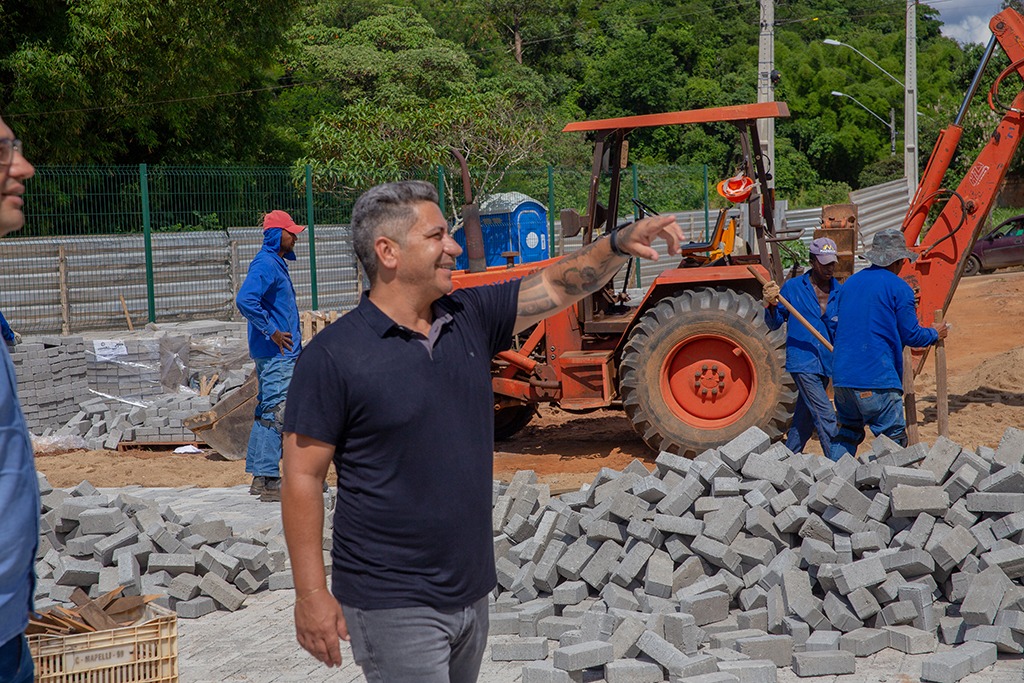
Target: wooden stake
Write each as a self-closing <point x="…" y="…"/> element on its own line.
<point x="306" y="319"/>
<point x="124" y="307"/>
<point x="910" y="398"/>
<point x="941" y="388"/>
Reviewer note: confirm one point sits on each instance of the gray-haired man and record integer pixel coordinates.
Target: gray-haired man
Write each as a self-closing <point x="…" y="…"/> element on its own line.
<point x="398" y="394"/>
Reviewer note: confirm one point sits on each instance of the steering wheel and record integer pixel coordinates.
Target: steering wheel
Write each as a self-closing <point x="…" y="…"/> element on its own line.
<point x="645" y="208"/>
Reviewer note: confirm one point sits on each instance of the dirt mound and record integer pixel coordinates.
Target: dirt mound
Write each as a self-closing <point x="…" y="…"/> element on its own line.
<point x="1002" y="373"/>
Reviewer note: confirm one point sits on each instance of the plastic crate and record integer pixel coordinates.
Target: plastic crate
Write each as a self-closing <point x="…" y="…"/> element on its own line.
<point x="144" y="653"/>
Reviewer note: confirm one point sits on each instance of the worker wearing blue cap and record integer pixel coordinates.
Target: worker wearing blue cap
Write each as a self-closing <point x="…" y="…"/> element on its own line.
<point x="815" y="295"/>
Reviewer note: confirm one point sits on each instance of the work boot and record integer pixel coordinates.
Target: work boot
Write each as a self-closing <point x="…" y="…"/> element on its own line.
<point x="257" y="486"/>
<point x="271" y="490"/>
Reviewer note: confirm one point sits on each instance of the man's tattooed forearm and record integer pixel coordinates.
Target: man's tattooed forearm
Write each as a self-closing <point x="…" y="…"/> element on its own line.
<point x="576" y="275"/>
<point x="534" y="298"/>
<point x="579" y="281"/>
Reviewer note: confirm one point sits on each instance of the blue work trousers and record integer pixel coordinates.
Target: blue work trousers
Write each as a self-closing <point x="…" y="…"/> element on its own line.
<point x="813" y="411"/>
<point x="419" y="644"/>
<point x="16" y="661"/>
<point x="879" y="409"/>
<point x="263" y="457"/>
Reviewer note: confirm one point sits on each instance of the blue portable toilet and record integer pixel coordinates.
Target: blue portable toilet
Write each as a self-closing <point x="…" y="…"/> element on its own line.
<point x="511" y="221"/>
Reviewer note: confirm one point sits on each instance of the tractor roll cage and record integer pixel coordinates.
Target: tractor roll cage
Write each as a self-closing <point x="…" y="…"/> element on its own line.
<point x="610" y="136"/>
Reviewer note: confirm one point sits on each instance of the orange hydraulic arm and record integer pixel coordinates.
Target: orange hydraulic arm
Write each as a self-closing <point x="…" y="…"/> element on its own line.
<point x="944" y="249"/>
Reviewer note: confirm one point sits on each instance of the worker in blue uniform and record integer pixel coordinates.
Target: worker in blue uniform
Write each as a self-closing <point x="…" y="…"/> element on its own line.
<point x="19" y="489"/>
<point x="10" y="337"/>
<point x="814" y="294"/>
<point x="877" y="318"/>
<point x="267" y="300"/>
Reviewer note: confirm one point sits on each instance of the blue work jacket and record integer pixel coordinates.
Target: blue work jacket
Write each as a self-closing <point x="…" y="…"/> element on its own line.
<point x="19" y="502"/>
<point x="267" y="300"/>
<point x="877" y="318"/>
<point x="5" y="330"/>
<point x="804" y="353"/>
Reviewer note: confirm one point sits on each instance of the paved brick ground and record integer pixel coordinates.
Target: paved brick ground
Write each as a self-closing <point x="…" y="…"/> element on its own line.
<point x="257" y="643"/>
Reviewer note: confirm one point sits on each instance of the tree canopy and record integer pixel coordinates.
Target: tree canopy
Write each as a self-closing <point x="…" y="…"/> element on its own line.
<point x="367" y="90"/>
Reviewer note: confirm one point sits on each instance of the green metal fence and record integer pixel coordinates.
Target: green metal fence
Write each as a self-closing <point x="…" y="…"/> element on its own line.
<point x="166" y="271"/>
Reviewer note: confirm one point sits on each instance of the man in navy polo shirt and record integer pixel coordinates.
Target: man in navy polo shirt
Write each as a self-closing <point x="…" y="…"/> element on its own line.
<point x="814" y="294"/>
<point x="877" y="318"/>
<point x="398" y="395"/>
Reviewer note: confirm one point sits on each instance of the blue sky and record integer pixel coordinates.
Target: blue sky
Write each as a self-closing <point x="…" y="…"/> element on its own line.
<point x="966" y="20"/>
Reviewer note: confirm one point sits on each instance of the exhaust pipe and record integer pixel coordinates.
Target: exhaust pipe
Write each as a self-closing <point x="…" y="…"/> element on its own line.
<point x="471" y="221"/>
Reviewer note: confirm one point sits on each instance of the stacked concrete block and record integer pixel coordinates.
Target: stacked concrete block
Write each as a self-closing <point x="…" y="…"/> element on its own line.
<point x="52" y="380"/>
<point x="104" y="423"/>
<point x="101" y="389"/>
<point x="98" y="542"/>
<point x="127" y="367"/>
<point x="752" y="553"/>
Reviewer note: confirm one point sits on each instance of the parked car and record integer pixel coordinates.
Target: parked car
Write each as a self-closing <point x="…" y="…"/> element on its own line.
<point x="1001" y="248"/>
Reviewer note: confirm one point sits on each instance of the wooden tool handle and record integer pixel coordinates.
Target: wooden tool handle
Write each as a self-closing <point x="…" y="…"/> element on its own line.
<point x="941" y="387"/>
<point x="792" y="311"/>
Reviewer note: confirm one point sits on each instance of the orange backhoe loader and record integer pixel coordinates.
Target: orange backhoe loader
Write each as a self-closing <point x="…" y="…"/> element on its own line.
<point x="944" y="248"/>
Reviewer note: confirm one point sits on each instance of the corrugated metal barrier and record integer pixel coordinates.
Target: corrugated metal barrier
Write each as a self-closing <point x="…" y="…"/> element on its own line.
<point x="166" y="238"/>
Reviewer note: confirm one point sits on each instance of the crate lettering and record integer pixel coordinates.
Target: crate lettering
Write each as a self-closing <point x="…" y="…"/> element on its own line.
<point x="84" y="660"/>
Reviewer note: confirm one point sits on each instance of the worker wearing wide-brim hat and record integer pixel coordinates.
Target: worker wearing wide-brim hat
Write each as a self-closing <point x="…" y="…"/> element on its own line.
<point x="815" y="294"/>
<point x="877" y="318"/>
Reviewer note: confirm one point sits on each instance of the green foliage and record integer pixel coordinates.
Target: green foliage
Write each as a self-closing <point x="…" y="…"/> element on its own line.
<point x="367" y="143"/>
<point x="406" y="98"/>
<point x="366" y="90"/>
<point x="134" y="80"/>
<point x="794" y="253"/>
<point x="201" y="222"/>
<point x="881" y="171"/>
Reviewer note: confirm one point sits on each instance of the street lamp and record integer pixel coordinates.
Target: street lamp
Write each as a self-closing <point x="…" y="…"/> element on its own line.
<point x="890" y="124"/>
<point x="909" y="115"/>
<point x="830" y="41"/>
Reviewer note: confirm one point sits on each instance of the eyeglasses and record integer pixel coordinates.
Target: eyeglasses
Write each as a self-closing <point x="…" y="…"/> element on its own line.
<point x="8" y="148"/>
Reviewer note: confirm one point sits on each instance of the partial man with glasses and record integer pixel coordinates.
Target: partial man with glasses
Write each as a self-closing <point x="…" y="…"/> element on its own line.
<point x="19" y="491"/>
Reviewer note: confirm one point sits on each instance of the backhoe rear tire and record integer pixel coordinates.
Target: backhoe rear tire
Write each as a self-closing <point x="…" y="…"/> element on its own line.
<point x="700" y="368"/>
<point x="510" y="420"/>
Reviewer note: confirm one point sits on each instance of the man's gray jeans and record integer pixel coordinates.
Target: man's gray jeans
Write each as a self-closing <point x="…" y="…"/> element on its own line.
<point x="420" y="644"/>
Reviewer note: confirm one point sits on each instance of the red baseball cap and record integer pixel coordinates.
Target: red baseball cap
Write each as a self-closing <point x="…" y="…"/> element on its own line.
<point x="280" y="219"/>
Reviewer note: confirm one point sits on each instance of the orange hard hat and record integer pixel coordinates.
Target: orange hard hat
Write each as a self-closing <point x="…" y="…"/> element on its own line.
<point x="737" y="188"/>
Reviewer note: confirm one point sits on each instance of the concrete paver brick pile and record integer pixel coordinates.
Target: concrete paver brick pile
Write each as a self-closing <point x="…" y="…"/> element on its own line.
<point x="748" y="563"/>
<point x="99" y="541"/>
<point x="113" y="387"/>
<point x="52" y="380"/>
<point x="749" y="558"/>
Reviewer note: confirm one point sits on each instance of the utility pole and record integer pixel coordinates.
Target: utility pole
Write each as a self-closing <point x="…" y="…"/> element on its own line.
<point x="910" y="162"/>
<point x="765" y="86"/>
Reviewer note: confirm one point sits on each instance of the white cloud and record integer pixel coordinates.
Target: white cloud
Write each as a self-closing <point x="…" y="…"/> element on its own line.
<point x="972" y="29"/>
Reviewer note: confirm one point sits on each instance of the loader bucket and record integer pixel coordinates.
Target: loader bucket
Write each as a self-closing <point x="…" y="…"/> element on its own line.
<point x="226" y="426"/>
